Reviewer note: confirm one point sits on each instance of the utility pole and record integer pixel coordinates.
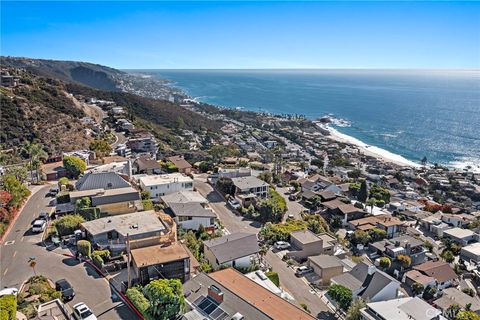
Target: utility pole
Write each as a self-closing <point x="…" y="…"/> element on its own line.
<point x="129" y="283"/>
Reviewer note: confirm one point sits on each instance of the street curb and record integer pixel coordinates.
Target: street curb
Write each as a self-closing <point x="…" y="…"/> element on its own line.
<point x="10" y="226"/>
<point x="121" y="295"/>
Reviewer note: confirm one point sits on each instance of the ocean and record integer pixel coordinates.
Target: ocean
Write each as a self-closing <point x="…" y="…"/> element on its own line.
<point x="412" y="113"/>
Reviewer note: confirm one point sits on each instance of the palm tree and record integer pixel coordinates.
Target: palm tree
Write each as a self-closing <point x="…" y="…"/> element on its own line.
<point x="35" y="153"/>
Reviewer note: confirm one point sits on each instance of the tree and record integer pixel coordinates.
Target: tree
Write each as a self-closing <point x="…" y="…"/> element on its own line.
<point x="377" y="234"/>
<point x="354" y="312"/>
<point x="467" y="315"/>
<point x="360" y="237"/>
<point x="448" y="256"/>
<point x="469" y="291"/>
<point x="363" y="192"/>
<point x="18" y="172"/>
<point x="67" y="224"/>
<point x="139" y="301"/>
<point x="205" y="166"/>
<point x="417" y="288"/>
<point x="225" y="185"/>
<point x="452" y="311"/>
<point x="35" y="152"/>
<point x="83" y="203"/>
<point x="101" y="147"/>
<point x="341" y="295"/>
<point x="385" y="263"/>
<point x="166" y="299"/>
<point x="63" y="182"/>
<point x="429" y="292"/>
<point x="17" y="190"/>
<point x="405" y="261"/>
<point x="74" y="166"/>
<point x="145" y="195"/>
<point x="84" y="247"/>
<point x="8" y="307"/>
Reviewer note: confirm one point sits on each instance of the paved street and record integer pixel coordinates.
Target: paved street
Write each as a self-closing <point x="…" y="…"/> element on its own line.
<point x="297" y="287"/>
<point x="21" y="244"/>
<point x="294" y="208"/>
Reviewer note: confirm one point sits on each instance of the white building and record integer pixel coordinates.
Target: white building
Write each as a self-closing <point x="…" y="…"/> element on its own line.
<point x="160" y="185"/>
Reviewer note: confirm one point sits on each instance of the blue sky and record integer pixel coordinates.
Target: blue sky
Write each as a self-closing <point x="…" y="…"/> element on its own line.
<point x="246" y="34"/>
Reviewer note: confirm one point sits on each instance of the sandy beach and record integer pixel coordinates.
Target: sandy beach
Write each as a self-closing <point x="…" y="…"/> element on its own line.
<point x="369" y="150"/>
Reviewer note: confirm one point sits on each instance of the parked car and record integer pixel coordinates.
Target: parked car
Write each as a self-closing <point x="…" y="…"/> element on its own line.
<point x="261" y="275"/>
<point x="52" y="192"/>
<point x="65" y="288"/>
<point x="234" y="203"/>
<point x="302" y="270"/>
<point x="39" y="226"/>
<point x="8" y="291"/>
<point x="291" y="216"/>
<point x="82" y="312"/>
<point x="292" y="197"/>
<point x="44" y="216"/>
<point x="281" y="245"/>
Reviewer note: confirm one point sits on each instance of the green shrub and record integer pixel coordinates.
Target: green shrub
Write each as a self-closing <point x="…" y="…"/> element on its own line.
<point x="63" y="198"/>
<point x="137" y="298"/>
<point x="147" y="205"/>
<point x="84" y="247"/>
<point x="68" y="223"/>
<point x="89" y="213"/>
<point x="104" y="254"/>
<point x="273" y="276"/>
<point x="8" y="307"/>
<point x="281" y="231"/>
<point x="97" y="260"/>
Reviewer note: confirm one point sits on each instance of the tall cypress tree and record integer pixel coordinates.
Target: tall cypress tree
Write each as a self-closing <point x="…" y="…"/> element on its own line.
<point x="363" y="192"/>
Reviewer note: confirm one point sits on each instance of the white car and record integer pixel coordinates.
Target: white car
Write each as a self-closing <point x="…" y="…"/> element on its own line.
<point x="8" y="291"/>
<point x="39" y="226"/>
<point x="234" y="203"/>
<point x="82" y="312"/>
<point x="281" y="245"/>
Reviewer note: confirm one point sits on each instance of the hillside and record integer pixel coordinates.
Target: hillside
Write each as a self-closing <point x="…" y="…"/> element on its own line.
<point x="39" y="109"/>
<point x="89" y="74"/>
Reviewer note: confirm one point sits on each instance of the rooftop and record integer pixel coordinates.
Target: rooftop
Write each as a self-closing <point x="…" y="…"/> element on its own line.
<point x="401" y="309"/>
<point x="179" y="162"/>
<point x="248" y="182"/>
<point x="459" y="233"/>
<point x="101" y="180"/>
<point x="455" y="296"/>
<point x="183" y="196"/>
<point x="233" y="246"/>
<point x="153" y="180"/>
<point x="305" y="236"/>
<point x="261" y="298"/>
<point x="439" y="270"/>
<point x="191" y="210"/>
<point x="154" y="255"/>
<point x="473" y="248"/>
<point x="325" y="261"/>
<point x="132" y="224"/>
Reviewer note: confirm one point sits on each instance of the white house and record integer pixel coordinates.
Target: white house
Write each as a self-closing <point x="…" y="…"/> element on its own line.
<point x="238" y="250"/>
<point x="160" y="185"/>
<point x="190" y="216"/>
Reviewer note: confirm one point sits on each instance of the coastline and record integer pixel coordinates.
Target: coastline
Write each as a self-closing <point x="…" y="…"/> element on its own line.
<point x="373" y="151"/>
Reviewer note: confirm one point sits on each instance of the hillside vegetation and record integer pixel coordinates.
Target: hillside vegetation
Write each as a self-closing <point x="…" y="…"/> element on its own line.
<point x="40" y="110"/>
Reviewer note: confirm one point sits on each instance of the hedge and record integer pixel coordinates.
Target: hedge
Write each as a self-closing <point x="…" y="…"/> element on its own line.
<point x="89" y="213"/>
<point x="97" y="260"/>
<point x="104" y="254"/>
<point x="68" y="224"/>
<point x="137" y="298"/>
<point x="8" y="307"/>
<point x="84" y="247"/>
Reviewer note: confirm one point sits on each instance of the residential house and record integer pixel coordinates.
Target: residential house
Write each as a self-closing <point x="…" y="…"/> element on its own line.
<point x="306" y="243"/>
<point x="400" y="309"/>
<point x="53" y="171"/>
<point x="460" y="236"/>
<point x="111" y="201"/>
<point x="414" y="276"/>
<point x="471" y="253"/>
<point x="184" y="196"/>
<point x="161" y="262"/>
<point x="101" y="180"/>
<point x="369" y="283"/>
<point x="239" y="250"/>
<point x="458" y="220"/>
<point x="53" y="309"/>
<point x="454" y="296"/>
<point x="441" y="271"/>
<point x="146" y="165"/>
<point x="248" y="189"/>
<point x="402" y="245"/>
<point x="387" y="223"/>
<point x="326" y="267"/>
<point x="160" y="185"/>
<point x="228" y="294"/>
<point x="183" y="165"/>
<point x="144" y="228"/>
<point x="345" y="212"/>
<point x="141" y="143"/>
<point x="190" y="216"/>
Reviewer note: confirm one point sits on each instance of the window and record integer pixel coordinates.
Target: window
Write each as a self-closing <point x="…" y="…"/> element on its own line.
<point x="184" y="218"/>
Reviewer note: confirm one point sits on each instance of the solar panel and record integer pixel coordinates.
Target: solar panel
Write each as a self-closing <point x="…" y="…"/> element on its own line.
<point x="199" y="299"/>
<point x="210" y="307"/>
<point x="218" y="314"/>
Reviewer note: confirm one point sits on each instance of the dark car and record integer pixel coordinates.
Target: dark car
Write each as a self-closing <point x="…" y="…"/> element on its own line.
<point x="44" y="216"/>
<point x="65" y="288"/>
<point x="52" y="192"/>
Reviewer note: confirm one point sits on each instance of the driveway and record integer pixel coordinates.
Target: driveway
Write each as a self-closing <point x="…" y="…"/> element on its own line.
<point x="297" y="287"/>
<point x="294" y="208"/>
<point x="21" y="244"/>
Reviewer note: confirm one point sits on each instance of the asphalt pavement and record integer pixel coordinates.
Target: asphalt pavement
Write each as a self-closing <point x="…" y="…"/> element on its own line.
<point x="21" y="244"/>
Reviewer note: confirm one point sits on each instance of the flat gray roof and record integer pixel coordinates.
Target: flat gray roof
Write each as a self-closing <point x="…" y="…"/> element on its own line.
<point x="233" y="246"/>
<point x="325" y="261"/>
<point x="132" y="224"/>
<point x="305" y="236"/>
<point x="191" y="210"/>
<point x="248" y="182"/>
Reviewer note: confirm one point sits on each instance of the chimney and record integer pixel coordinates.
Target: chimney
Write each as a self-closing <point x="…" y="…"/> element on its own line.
<point x="371" y="269"/>
<point x="215" y="293"/>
